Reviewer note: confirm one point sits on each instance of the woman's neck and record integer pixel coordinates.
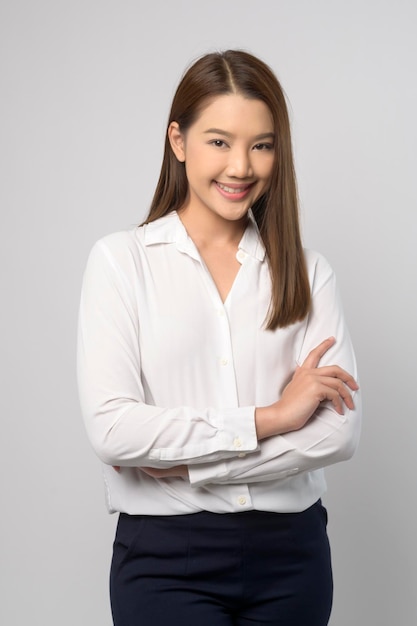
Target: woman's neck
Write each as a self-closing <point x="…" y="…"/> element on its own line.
<point x="211" y="230"/>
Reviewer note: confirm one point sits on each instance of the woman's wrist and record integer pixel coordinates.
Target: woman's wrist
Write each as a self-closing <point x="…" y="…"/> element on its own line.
<point x="267" y="421"/>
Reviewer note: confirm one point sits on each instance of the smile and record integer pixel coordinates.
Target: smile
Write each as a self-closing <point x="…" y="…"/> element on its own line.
<point x="234" y="190"/>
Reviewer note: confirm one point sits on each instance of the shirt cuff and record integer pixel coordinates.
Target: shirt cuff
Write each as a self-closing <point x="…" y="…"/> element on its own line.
<point x="235" y="435"/>
<point x="239" y="430"/>
<point x="239" y="437"/>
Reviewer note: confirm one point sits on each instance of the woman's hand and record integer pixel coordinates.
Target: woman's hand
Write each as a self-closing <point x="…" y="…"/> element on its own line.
<point x="179" y="471"/>
<point x="309" y="386"/>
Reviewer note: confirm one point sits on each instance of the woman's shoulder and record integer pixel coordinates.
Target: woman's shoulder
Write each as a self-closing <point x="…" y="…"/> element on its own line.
<point x="314" y="258"/>
<point x="163" y="229"/>
<point x="118" y="250"/>
<point x="120" y="241"/>
<point x="318" y="267"/>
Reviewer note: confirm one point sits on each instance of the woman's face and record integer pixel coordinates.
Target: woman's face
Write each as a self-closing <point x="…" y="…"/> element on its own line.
<point x="229" y="154"/>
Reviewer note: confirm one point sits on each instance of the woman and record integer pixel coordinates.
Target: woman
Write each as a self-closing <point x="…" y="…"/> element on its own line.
<point x="216" y="374"/>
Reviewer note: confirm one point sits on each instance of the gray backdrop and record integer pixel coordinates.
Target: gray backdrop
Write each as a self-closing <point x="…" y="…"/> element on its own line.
<point x="86" y="86"/>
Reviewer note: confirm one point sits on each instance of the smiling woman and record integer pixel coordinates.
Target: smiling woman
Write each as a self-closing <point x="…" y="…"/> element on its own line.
<point x="216" y="373"/>
<point x="227" y="171"/>
<point x="238" y="73"/>
<point x="223" y="157"/>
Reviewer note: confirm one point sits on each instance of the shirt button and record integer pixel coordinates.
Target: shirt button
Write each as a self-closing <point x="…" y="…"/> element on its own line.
<point x="241" y="256"/>
<point x="224" y="361"/>
<point x="241" y="500"/>
<point x="220" y="312"/>
<point x="237" y="442"/>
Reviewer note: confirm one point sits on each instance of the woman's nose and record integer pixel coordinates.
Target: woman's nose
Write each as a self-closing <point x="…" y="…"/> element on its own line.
<point x="239" y="165"/>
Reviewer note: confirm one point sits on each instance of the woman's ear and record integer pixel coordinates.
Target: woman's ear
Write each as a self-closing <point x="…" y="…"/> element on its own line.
<point x="176" y="139"/>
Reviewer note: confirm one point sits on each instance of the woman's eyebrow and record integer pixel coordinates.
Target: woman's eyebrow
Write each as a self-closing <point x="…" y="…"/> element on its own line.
<point x="219" y="131"/>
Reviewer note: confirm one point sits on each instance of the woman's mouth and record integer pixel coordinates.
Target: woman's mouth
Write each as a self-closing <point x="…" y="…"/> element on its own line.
<point x="234" y="191"/>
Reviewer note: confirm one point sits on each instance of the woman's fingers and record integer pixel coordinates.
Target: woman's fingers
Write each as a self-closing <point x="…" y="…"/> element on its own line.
<point x="313" y="358"/>
<point x="309" y="386"/>
<point x="312" y="361"/>
<point x="334" y="371"/>
<point x="326" y="383"/>
<point x="335" y="390"/>
<point x="180" y="471"/>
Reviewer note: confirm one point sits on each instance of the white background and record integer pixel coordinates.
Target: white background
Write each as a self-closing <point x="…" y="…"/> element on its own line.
<point x="85" y="91"/>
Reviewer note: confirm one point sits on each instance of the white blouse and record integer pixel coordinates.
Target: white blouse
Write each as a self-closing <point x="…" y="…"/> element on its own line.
<point x="169" y="374"/>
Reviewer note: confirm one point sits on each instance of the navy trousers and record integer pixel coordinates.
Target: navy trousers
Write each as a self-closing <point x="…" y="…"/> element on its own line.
<point x="239" y="569"/>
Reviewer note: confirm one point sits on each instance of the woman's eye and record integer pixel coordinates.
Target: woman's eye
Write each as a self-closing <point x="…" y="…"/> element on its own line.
<point x="263" y="146"/>
<point x="218" y="143"/>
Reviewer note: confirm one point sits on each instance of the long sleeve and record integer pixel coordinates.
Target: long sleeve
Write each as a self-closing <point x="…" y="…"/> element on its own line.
<point x="328" y="437"/>
<point x="169" y="374"/>
<point x="123" y="428"/>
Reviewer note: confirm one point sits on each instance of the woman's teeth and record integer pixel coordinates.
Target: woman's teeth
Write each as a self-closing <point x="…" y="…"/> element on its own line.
<point x="232" y="189"/>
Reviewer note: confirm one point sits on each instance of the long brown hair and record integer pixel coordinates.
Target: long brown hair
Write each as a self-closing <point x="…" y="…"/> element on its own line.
<point x="276" y="211"/>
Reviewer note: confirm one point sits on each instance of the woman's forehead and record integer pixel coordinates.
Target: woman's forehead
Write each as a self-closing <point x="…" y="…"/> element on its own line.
<point x="232" y="110"/>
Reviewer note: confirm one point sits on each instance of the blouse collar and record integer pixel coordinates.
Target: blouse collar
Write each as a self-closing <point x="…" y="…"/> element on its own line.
<point x="170" y="229"/>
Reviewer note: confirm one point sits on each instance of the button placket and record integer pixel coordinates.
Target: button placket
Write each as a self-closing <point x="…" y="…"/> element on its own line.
<point x="241" y="498"/>
<point x="241" y="255"/>
<point x="224" y="354"/>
